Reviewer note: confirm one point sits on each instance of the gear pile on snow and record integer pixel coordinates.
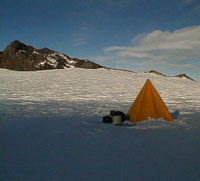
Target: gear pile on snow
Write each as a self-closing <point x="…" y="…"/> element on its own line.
<point x="115" y="117"/>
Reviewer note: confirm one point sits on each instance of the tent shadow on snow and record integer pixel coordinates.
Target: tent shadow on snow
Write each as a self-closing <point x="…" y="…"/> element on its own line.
<point x="149" y="104"/>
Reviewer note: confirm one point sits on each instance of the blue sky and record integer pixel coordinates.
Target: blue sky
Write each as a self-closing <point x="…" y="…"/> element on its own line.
<point x="138" y="35"/>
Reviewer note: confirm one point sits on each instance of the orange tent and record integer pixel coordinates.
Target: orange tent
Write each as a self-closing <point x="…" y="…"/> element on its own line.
<point x="149" y="104"/>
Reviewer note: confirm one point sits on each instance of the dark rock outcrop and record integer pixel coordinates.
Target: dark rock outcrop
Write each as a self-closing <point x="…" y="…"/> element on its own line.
<point x="18" y="56"/>
<point x="155" y="72"/>
<point x="184" y="76"/>
<point x="87" y="64"/>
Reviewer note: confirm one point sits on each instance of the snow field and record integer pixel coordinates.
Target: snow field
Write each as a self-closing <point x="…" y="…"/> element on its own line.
<point x="85" y="92"/>
<point x="51" y="127"/>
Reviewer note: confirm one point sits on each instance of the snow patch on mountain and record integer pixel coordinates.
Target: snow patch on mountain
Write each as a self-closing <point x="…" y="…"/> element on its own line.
<point x="52" y="61"/>
<point x="20" y="51"/>
<point x="35" y="52"/>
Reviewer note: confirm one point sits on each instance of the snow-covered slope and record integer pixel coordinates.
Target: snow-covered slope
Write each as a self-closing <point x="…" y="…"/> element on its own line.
<point x="51" y="127"/>
<point x="88" y="92"/>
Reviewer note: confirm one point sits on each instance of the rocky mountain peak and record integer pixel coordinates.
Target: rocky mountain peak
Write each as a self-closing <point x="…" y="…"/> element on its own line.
<point x="19" y="56"/>
<point x="16" y="46"/>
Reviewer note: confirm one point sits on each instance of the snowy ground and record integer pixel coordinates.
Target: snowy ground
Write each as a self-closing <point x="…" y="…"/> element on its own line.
<point x="52" y="130"/>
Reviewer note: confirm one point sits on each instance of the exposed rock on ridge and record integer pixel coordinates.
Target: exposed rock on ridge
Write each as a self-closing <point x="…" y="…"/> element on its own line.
<point x="179" y="75"/>
<point x="155" y="72"/>
<point x="184" y="76"/>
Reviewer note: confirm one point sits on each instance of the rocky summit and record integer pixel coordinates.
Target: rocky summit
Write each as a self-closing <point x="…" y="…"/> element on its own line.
<point x="18" y="56"/>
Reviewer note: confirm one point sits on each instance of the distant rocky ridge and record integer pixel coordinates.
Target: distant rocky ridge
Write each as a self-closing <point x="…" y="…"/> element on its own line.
<point x="18" y="56"/>
<point x="184" y="76"/>
<point x="179" y="75"/>
<point x="155" y="72"/>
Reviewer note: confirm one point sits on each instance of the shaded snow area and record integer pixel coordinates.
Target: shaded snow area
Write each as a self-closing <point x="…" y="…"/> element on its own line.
<point x="51" y="127"/>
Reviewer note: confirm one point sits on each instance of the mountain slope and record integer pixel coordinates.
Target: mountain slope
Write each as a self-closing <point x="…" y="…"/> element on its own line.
<point x="18" y="56"/>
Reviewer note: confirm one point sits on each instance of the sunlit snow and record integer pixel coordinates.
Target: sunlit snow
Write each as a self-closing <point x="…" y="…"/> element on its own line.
<point x="89" y="92"/>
